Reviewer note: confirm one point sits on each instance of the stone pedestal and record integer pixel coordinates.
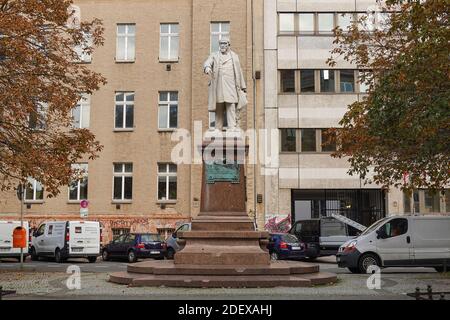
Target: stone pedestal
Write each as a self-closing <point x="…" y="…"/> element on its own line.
<point x="223" y="249"/>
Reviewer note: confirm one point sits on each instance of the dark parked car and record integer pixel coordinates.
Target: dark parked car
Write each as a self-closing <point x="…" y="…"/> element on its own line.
<point x="322" y="237"/>
<point x="285" y="246"/>
<point x="133" y="246"/>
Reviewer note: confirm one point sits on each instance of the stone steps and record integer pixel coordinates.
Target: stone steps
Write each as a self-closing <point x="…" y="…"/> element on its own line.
<point x="218" y="281"/>
<point x="167" y="267"/>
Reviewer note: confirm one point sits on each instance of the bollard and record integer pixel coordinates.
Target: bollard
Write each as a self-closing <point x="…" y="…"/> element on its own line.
<point x="445" y="265"/>
<point x="430" y="292"/>
<point x="417" y="293"/>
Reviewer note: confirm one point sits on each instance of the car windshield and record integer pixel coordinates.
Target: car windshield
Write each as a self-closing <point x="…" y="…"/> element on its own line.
<point x="332" y="227"/>
<point x="150" y="238"/>
<point x="289" y="238"/>
<point x="373" y="226"/>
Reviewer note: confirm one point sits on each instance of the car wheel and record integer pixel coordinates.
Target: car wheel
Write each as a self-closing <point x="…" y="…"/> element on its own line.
<point x="105" y="255"/>
<point x="170" y="254"/>
<point x="274" y="256"/>
<point x="354" y="270"/>
<point x="34" y="256"/>
<point x="92" y="259"/>
<point x="58" y="257"/>
<point x="132" y="256"/>
<point x="367" y="260"/>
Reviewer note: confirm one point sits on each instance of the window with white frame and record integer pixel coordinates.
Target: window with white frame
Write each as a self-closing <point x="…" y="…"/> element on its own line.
<point x="124" y="112"/>
<point x="38" y="118"/>
<point x="167" y="181"/>
<point x="34" y="190"/>
<point x="168" y="110"/>
<point x="78" y="189"/>
<point x="219" y="31"/>
<point x="80" y="49"/>
<point x="169" y="42"/>
<point x="81" y="113"/>
<point x="125" y="46"/>
<point x="123" y="182"/>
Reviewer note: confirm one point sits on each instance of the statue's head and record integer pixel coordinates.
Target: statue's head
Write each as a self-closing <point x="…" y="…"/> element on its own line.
<point x="224" y="45"/>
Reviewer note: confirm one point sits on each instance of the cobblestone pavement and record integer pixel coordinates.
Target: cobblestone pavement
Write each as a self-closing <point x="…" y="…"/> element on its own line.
<point x="395" y="283"/>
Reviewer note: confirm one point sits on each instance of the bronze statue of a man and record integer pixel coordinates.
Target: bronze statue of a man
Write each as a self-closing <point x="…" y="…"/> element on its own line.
<point x="227" y="88"/>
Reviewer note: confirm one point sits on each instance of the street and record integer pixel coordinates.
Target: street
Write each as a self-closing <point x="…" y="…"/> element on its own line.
<point x="47" y="280"/>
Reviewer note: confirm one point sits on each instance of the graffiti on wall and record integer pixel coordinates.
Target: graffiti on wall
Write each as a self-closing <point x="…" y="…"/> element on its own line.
<point x="278" y="223"/>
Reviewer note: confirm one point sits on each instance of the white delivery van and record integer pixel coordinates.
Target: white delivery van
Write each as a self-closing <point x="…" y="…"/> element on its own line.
<point x="399" y="241"/>
<point x="67" y="239"/>
<point x="6" y="239"/>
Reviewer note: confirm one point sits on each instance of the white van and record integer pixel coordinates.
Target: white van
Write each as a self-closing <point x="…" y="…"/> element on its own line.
<point x="67" y="239"/>
<point x="6" y="239"/>
<point x="399" y="241"/>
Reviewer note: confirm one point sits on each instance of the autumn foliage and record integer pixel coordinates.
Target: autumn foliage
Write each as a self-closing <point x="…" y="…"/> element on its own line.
<point x="401" y="130"/>
<point x="40" y="83"/>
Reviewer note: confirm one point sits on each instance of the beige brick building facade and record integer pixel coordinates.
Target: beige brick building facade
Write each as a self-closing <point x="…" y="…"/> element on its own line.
<point x="144" y="144"/>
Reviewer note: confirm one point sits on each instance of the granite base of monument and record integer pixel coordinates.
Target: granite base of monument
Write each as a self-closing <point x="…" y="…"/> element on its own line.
<point x="223" y="249"/>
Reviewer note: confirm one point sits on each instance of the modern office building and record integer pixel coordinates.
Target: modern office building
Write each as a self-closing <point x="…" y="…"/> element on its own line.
<point x="303" y="96"/>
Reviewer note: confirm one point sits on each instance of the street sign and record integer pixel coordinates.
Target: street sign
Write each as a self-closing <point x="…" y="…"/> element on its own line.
<point x="84" y="211"/>
<point x="84" y="204"/>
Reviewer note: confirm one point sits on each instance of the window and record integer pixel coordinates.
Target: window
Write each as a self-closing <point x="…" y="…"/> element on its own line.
<point x="308" y="140"/>
<point x="307" y="81"/>
<point x="123" y="181"/>
<point x="50" y="230"/>
<point x="78" y="190"/>
<point x="219" y="30"/>
<point x="347" y="80"/>
<point x="383" y="20"/>
<point x="38" y="118"/>
<point x="288" y="140"/>
<point x="345" y="21"/>
<point x="365" y="79"/>
<point x="406" y="202"/>
<point x="432" y="202"/>
<point x="366" y="22"/>
<point x="81" y="112"/>
<point x="124" y="116"/>
<point x="395" y="227"/>
<point x="287" y="81"/>
<point x="326" y="22"/>
<point x="34" y="191"/>
<point x="327" y="81"/>
<point x="80" y="50"/>
<point x="117" y="232"/>
<point x="167" y="181"/>
<point x="306" y="23"/>
<point x="125" y="46"/>
<point x="40" y="230"/>
<point x="425" y="201"/>
<point x="328" y="141"/>
<point x="169" y="42"/>
<point x="286" y="21"/>
<point x="168" y="110"/>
